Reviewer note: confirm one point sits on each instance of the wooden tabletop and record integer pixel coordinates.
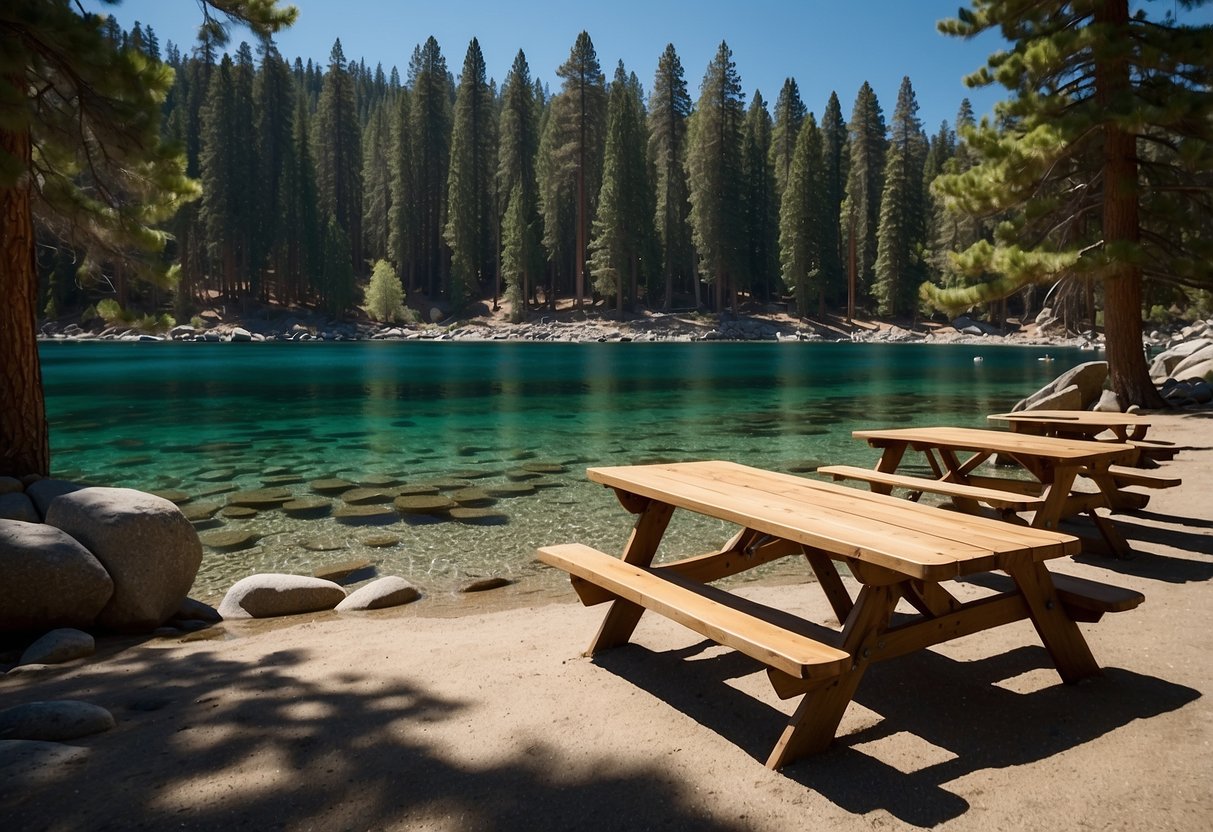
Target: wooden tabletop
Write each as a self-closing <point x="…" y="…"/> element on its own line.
<point x="1002" y="442"/>
<point x="918" y="541"/>
<point x="1080" y="417"/>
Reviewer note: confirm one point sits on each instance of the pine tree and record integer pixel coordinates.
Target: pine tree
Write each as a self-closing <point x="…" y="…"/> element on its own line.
<point x="624" y="222"/>
<point x="865" y="183"/>
<point x="304" y="233"/>
<point x="274" y="97"/>
<point x="760" y="201"/>
<point x="403" y="221"/>
<point x="470" y="199"/>
<point x="669" y="108"/>
<point x="1091" y="89"/>
<point x="336" y="273"/>
<point x="113" y="179"/>
<point x="431" y="144"/>
<point x="518" y="145"/>
<point x="580" y="113"/>
<point x="377" y="181"/>
<point x="220" y="215"/>
<point x="337" y="144"/>
<point x="557" y="199"/>
<point x="384" y="295"/>
<point x="803" y="212"/>
<point x="901" y="235"/>
<point x="789" y="115"/>
<point x="714" y="170"/>
<point x="835" y="166"/>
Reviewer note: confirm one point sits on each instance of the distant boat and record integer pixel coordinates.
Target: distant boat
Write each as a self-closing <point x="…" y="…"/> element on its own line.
<point x="1047" y="358"/>
<point x="978" y="358"/>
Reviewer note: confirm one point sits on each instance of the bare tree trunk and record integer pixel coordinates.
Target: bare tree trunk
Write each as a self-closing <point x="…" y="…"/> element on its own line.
<point x="24" y="438"/>
<point x="1130" y="375"/>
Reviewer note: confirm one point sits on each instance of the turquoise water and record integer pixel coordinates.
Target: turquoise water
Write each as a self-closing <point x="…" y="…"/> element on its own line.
<point x="208" y="419"/>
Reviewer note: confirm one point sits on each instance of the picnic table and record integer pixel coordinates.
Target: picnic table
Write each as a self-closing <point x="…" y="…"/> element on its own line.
<point x="1127" y="428"/>
<point x="1054" y="463"/>
<point x="894" y="548"/>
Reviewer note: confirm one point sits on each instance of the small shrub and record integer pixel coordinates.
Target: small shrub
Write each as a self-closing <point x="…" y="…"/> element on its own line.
<point x="385" y="295"/>
<point x="110" y="312"/>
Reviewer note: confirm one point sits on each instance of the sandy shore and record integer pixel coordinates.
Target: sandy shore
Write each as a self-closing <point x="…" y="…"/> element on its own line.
<point x="493" y="720"/>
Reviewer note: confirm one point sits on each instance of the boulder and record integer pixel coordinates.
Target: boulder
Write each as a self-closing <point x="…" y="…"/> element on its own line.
<point x="54" y="721"/>
<point x="145" y="543"/>
<point x="1165" y="363"/>
<point x="191" y="610"/>
<point x="43" y="492"/>
<point x="1186" y="367"/>
<point x="266" y="596"/>
<point x="17" y="506"/>
<point x="59" y="646"/>
<point x="1108" y="402"/>
<point x="47" y="579"/>
<point x="10" y="485"/>
<point x="241" y="334"/>
<point x="1068" y="398"/>
<point x="390" y="591"/>
<point x="1089" y="378"/>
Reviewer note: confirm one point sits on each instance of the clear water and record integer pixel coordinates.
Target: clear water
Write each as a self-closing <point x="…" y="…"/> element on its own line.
<point x="203" y="417"/>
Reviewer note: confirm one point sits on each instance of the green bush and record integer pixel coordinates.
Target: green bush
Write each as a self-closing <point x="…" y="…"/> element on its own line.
<point x="110" y="312"/>
<point x="385" y="295"/>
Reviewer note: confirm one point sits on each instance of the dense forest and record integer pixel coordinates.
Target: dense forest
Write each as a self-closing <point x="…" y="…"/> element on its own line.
<point x="601" y="192"/>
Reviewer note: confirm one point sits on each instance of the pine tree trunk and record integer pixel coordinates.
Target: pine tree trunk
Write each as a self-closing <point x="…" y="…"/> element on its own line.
<point x="24" y="442"/>
<point x="1127" y="368"/>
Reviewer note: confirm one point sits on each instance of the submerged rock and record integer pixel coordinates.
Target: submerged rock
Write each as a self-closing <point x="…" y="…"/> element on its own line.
<point x="229" y="540"/>
<point x="484" y="584"/>
<point x="424" y="504"/>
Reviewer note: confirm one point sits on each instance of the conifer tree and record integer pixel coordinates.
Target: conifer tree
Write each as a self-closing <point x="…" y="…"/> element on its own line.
<point x="430" y="110"/>
<point x="669" y="108"/>
<point x="760" y="203"/>
<point x="789" y="115"/>
<point x="470" y="197"/>
<point x="901" y="235"/>
<point x="580" y="114"/>
<point x="384" y="295"/>
<point x="377" y="182"/>
<point x="402" y="217"/>
<point x="865" y="182"/>
<point x="714" y="171"/>
<point x="802" y="220"/>
<point x="1103" y="151"/>
<point x="518" y="145"/>
<point x="274" y="97"/>
<point x="338" y="151"/>
<point x="223" y="191"/>
<point x="557" y="199"/>
<point x="624" y="222"/>
<point x="336" y="273"/>
<point x="304" y="233"/>
<point x="835" y="164"/>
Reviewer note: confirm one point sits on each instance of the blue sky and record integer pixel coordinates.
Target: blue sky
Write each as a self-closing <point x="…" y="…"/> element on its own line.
<point x="823" y="45"/>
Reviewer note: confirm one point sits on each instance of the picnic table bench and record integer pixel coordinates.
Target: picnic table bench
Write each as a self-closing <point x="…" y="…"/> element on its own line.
<point x="1125" y="428"/>
<point x="895" y="549"/>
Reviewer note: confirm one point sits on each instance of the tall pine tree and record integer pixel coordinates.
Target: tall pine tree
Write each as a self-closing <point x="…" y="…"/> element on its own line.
<point x="518" y="144"/>
<point x="865" y="182"/>
<point x="803" y="228"/>
<point x="337" y="141"/>
<point x="669" y="108"/>
<point x="901" y="235"/>
<point x="789" y="115"/>
<point x="431" y="145"/>
<point x="760" y="202"/>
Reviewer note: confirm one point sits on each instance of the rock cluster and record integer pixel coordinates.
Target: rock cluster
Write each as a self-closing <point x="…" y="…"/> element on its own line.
<point x="1184" y="370"/>
<point x="272" y="595"/>
<point x="1079" y="388"/>
<point x="78" y="557"/>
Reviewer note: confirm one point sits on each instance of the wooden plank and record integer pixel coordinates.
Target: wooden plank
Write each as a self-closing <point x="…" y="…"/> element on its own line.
<point x="830" y="581"/>
<point x="1002" y="442"/>
<point x="921" y="541"/>
<point x="726" y="619"/>
<point x="1125" y="477"/>
<point x="1001" y="499"/>
<point x="1061" y="636"/>
<point x="621" y="619"/>
<point x="1087" y="417"/>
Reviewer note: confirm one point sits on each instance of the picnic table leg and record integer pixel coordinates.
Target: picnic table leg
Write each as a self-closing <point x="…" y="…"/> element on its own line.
<point x="830" y="582"/>
<point x="890" y="458"/>
<point x="1060" y="634"/>
<point x="812" y="727"/>
<point x="623" y="616"/>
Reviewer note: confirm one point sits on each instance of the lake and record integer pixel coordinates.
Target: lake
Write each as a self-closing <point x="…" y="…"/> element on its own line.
<point x="507" y="429"/>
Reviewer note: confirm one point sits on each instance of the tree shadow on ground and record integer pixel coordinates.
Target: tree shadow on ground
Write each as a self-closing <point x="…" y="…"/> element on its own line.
<point x="208" y="743"/>
<point x="959" y="718"/>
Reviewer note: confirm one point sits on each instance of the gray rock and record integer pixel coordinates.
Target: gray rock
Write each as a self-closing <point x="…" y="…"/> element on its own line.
<point x="17" y="506"/>
<point x="1165" y="363"/>
<point x="1108" y="402"/>
<point x="1067" y="399"/>
<point x="59" y="646"/>
<point x="1184" y="369"/>
<point x="1089" y="378"/>
<point x="1202" y="371"/>
<point x="191" y="610"/>
<point x="10" y="485"/>
<point x="145" y="543"/>
<point x="55" y="721"/>
<point x="266" y="596"/>
<point x="43" y="492"/>
<point x="485" y="584"/>
<point x="241" y="334"/>
<point x="48" y="579"/>
<point x="390" y="591"/>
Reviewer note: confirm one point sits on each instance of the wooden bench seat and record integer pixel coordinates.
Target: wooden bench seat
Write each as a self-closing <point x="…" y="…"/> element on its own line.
<point x="1156" y="449"/>
<point x="1125" y="476"/>
<point x="726" y="619"/>
<point x="1007" y="500"/>
<point x="1084" y="599"/>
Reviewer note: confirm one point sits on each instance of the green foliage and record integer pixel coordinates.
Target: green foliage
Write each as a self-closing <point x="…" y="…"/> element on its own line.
<point x="802" y="215"/>
<point x="385" y="295"/>
<point x="110" y="311"/>
<point x="860" y="218"/>
<point x="521" y="255"/>
<point x="669" y="109"/>
<point x="901" y="234"/>
<point x="430" y="138"/>
<point x="790" y="113"/>
<point x="337" y="145"/>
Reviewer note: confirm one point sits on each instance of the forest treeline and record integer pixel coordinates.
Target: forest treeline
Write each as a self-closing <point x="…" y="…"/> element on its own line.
<point x="599" y="191"/>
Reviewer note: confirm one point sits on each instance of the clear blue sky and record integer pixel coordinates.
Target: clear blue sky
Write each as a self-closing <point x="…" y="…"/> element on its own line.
<point x="824" y="44"/>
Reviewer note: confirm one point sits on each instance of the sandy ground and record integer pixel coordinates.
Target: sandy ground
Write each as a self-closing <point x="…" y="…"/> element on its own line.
<point x="493" y="720"/>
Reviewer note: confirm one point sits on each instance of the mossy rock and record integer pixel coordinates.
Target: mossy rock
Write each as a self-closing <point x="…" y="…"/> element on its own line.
<point x="479" y="516"/>
<point x="379" y="541"/>
<point x="450" y="483"/>
<point x="229" y="541"/>
<point x="216" y="475"/>
<point x="510" y="489"/>
<point x="366" y="497"/>
<point x="260" y="498"/>
<point x="323" y="545"/>
<point x="281" y="479"/>
<point x="483" y="584"/>
<point x="347" y="572"/>
<point x="200" y="511"/>
<point x="377" y="480"/>
<point x="217" y="488"/>
<point x="330" y="485"/>
<point x="545" y="482"/>
<point x="474" y="473"/>
<point x="544" y="467"/>
<point x="414" y="490"/>
<point x="472" y="497"/>
<point x="238" y="512"/>
<point x="307" y="507"/>
<point x="359" y="514"/>
<point x="520" y="474"/>
<point x="424" y="504"/>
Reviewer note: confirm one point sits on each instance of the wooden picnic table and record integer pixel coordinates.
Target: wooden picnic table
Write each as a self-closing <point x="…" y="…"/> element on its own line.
<point x="896" y="549"/>
<point x="1127" y="428"/>
<point x="1055" y="464"/>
